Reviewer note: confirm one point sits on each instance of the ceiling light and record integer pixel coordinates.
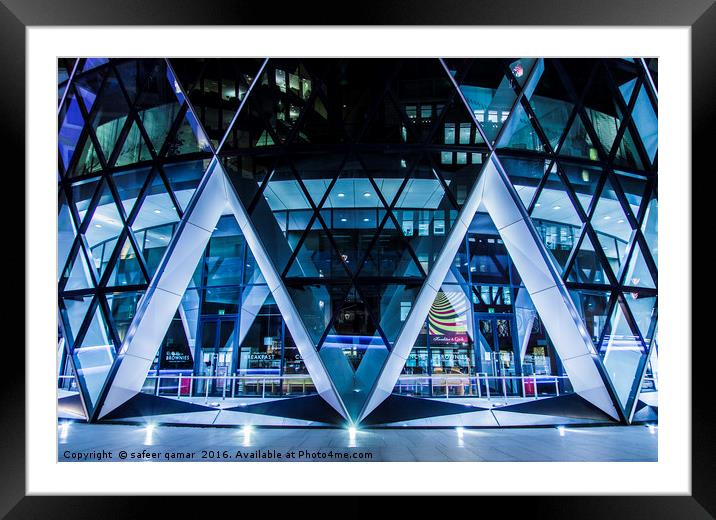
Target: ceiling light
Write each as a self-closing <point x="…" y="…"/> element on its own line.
<point x="344" y="219"/>
<point x="537" y="205"/>
<point x="366" y="219"/>
<point x="366" y="194"/>
<point x="341" y="195"/>
<point x="98" y="225"/>
<point x="620" y="221"/>
<point x="607" y="217"/>
<point x="157" y="211"/>
<point x="557" y="207"/>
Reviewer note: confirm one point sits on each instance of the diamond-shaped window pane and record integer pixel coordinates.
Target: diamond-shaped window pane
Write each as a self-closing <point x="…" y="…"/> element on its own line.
<point x="551" y="104"/>
<point x="126" y="270"/>
<point x="88" y="161"/>
<point x="612" y="227"/>
<point x="122" y="307"/>
<point x="642" y="308"/>
<point x="157" y="208"/>
<point x="129" y="184"/>
<point x="75" y="310"/>
<point x="622" y="352"/>
<point x="71" y="126"/>
<point x="94" y="357"/>
<point x="390" y="255"/>
<point x="489" y="95"/>
<point x="593" y="308"/>
<point x="77" y="274"/>
<point x="638" y="274"/>
<point x="184" y="178"/>
<point x="586" y="267"/>
<point x="110" y="115"/>
<point x="577" y="143"/>
<point x="556" y="220"/>
<point x="65" y="233"/>
<point x="526" y="175"/>
<point x="650" y="228"/>
<point x="134" y="149"/>
<point x="645" y="120"/>
<point x="583" y="179"/>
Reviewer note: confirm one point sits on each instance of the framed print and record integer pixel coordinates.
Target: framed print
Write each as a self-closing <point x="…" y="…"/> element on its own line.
<point x="404" y="243"/>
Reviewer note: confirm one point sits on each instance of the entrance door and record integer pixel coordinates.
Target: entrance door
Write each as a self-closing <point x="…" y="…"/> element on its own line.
<point x="217" y="339"/>
<point x="497" y="351"/>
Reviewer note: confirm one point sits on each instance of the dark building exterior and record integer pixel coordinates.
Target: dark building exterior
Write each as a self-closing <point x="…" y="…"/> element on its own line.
<point x="380" y="241"/>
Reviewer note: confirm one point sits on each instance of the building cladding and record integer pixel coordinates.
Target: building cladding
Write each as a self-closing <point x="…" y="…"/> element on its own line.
<point x="385" y="241"/>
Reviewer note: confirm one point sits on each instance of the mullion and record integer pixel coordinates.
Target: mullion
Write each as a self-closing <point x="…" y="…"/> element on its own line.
<point x="606" y="266"/>
<point x="407" y="123"/>
<point x="445" y="187"/>
<point x="575" y="251"/>
<point x="403" y="238"/>
<point x="373" y="112"/>
<point x="627" y="122"/>
<point x="242" y="104"/>
<point x="460" y="95"/>
<point x="519" y="94"/>
<point x="189" y="104"/>
<point x="173" y="129"/>
<point x="538" y="189"/>
<point x="375" y="321"/>
<point x="577" y="99"/>
<point x="170" y="191"/>
<point x="88" y="129"/>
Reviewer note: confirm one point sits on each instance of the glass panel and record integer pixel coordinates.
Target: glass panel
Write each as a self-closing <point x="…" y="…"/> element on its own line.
<point x="389" y="301"/>
<point x="104" y="228"/>
<point x="225" y="253"/>
<point x="94" y="357"/>
<point x="551" y="104"/>
<point x="525" y="174"/>
<point x="638" y="274"/>
<point x="622" y="352"/>
<point x="127" y="270"/>
<point x="75" y="310"/>
<point x="489" y="94"/>
<point x="65" y="233"/>
<point x="643" y="308"/>
<point x="317" y="304"/>
<point x="556" y="220"/>
<point x="157" y="208"/>
<point x="221" y="300"/>
<point x="134" y="149"/>
<point x="129" y="184"/>
<point x="587" y="268"/>
<point x="577" y="143"/>
<point x="122" y="307"/>
<point x="613" y="229"/>
<point x="650" y="228"/>
<point x="184" y="178"/>
<point x="71" y="125"/>
<point x="593" y="308"/>
<point x="645" y="120"/>
<point x="153" y="243"/>
<point x="583" y="179"/>
<point x="111" y="114"/>
<point x="88" y="162"/>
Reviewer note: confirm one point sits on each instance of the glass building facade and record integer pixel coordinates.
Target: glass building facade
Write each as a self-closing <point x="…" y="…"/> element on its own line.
<point x="354" y="247"/>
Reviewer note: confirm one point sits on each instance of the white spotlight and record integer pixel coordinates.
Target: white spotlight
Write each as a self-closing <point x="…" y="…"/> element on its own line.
<point x="560" y="429"/>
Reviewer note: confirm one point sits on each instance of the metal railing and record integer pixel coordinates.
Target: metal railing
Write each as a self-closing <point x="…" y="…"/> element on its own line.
<point x="229" y="386"/>
<point x="482" y="385"/>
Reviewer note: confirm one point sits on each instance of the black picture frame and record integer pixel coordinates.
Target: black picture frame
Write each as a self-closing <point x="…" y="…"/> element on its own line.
<point x="17" y="15"/>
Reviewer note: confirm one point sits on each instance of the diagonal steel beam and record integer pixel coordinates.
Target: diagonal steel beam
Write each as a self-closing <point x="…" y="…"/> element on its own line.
<point x="494" y="194"/>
